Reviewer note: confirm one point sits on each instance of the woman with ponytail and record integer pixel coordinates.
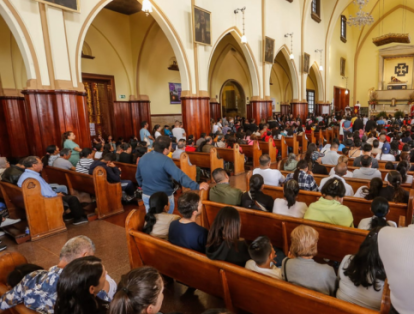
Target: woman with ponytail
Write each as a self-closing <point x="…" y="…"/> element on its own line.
<point x="157" y="220"/>
<point x="68" y="139"/>
<point x="52" y="153"/>
<point x="139" y="292"/>
<point x="288" y="206"/>
<point x="402" y="168"/>
<point x="380" y="209"/>
<point x="255" y="198"/>
<point x="394" y="192"/>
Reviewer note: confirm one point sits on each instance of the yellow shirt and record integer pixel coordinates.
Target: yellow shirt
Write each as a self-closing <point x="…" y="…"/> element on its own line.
<point x="331" y="212"/>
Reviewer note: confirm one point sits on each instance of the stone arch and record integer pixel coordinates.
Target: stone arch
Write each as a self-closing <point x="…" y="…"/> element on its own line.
<point x="319" y="80"/>
<point x="23" y="40"/>
<point x="167" y="28"/>
<point x="248" y="55"/>
<point x="293" y="72"/>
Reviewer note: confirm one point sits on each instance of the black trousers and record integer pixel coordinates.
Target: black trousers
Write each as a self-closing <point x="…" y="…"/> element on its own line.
<point x="74" y="205"/>
<point x="392" y="310"/>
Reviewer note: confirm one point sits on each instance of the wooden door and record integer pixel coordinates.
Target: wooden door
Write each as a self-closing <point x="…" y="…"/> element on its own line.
<point x="341" y="99"/>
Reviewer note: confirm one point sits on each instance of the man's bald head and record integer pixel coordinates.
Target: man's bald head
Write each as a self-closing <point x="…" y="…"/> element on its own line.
<point x="341" y="169"/>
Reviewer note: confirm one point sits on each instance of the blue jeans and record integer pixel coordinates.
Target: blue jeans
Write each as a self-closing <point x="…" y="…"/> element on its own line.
<point x="59" y="188"/>
<point x="145" y="199"/>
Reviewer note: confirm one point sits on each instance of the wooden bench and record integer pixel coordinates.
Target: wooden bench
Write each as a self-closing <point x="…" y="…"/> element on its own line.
<point x="319" y="138"/>
<point x="44" y="214"/>
<point x="234" y="156"/>
<point x="303" y="141"/>
<point x="282" y="147"/>
<point x="205" y="160"/>
<point x="108" y="195"/>
<point x="253" y="152"/>
<point x="294" y="143"/>
<point x="268" y="148"/>
<point x="381" y="163"/>
<point x="236" y="285"/>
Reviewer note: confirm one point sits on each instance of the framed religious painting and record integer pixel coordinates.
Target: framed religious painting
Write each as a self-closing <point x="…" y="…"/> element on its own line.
<point x="68" y="5"/>
<point x="202" y="26"/>
<point x="306" y="62"/>
<point x="342" y="66"/>
<point x="175" y="93"/>
<point x="269" y="50"/>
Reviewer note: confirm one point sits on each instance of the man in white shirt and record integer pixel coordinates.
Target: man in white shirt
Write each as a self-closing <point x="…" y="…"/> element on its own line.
<point x="366" y="171"/>
<point x="382" y="140"/>
<point x="331" y="157"/>
<point x="270" y="176"/>
<point x="341" y="128"/>
<point x="178" y="132"/>
<point x="340" y="171"/>
<point x="396" y="250"/>
<point x="263" y="254"/>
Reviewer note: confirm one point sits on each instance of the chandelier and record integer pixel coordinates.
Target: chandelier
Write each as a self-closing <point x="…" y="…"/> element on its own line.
<point x="362" y="18"/>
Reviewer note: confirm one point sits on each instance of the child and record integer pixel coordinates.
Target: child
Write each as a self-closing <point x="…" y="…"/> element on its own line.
<point x="167" y="131"/>
<point x="98" y="151"/>
<point x="262" y="253"/>
<point x="380" y="209"/>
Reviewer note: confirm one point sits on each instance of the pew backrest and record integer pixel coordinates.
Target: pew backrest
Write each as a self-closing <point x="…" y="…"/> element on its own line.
<point x="206" y="160"/>
<point x="234" y="156"/>
<point x="254" y="152"/>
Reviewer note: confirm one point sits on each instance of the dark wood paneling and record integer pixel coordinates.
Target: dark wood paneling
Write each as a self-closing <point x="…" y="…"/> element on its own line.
<point x="215" y="111"/>
<point x="319" y="108"/>
<point x="196" y="115"/>
<point x="261" y="110"/>
<point x="249" y="112"/>
<point x="300" y="110"/>
<point x="341" y="99"/>
<point x="145" y="112"/>
<point x="123" y="119"/>
<point x="285" y="109"/>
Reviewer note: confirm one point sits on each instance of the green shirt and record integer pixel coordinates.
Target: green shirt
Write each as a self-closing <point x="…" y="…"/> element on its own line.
<point x="224" y="193"/>
<point x="331" y="212"/>
<point x="74" y="158"/>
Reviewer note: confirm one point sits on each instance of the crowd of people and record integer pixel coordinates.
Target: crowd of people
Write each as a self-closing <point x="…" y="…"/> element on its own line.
<point x="359" y="278"/>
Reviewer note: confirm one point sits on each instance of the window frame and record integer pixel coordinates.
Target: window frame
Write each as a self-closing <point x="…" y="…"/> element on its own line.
<point x="308" y="92"/>
<point x="343" y="29"/>
<point x="316" y="14"/>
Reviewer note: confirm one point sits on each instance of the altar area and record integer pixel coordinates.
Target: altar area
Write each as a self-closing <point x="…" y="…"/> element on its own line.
<point x="391" y="101"/>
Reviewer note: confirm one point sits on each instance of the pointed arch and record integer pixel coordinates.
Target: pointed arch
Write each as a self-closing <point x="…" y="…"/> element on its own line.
<point x="166" y="27"/>
<point x="293" y="72"/>
<point x="248" y="55"/>
<point x="319" y="80"/>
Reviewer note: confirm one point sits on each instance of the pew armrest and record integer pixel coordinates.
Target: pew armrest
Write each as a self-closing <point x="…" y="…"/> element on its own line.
<point x="385" y="300"/>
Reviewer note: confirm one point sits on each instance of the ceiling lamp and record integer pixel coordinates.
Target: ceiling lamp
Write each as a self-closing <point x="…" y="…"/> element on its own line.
<point x="243" y="38"/>
<point x="146" y="7"/>
<point x="320" y="64"/>
<point x="362" y="18"/>
<point x="291" y="56"/>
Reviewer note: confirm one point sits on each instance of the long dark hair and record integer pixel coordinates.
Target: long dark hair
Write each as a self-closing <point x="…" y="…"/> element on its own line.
<point x="402" y="168"/>
<point x="137" y="290"/>
<point x="365" y="267"/>
<point x="225" y="228"/>
<point x="374" y="189"/>
<point x="156" y="127"/>
<point x="73" y="294"/>
<point x="291" y="191"/>
<point x="302" y="165"/>
<point x="65" y="136"/>
<point x="49" y="151"/>
<point x="380" y="209"/>
<point x="394" y="177"/>
<point x="311" y="148"/>
<point x="256" y="182"/>
<point x="107" y="149"/>
<point x="157" y="203"/>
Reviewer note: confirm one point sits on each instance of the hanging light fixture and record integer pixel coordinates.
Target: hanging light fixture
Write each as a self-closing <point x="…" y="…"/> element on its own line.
<point x="320" y="64"/>
<point x="244" y="38"/>
<point x="362" y="18"/>
<point x="146" y="7"/>
<point x="291" y="56"/>
<point x="346" y="86"/>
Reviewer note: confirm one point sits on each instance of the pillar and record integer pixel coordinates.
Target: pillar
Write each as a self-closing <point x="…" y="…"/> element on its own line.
<point x="261" y="109"/>
<point x="215" y="110"/>
<point x="284" y="108"/>
<point x="299" y="109"/>
<point x="196" y="115"/>
<point x="249" y="112"/>
<point x="320" y="107"/>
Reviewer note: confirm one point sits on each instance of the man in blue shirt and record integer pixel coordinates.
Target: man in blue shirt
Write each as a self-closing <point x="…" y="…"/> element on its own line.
<point x="156" y="170"/>
<point x="186" y="232"/>
<point x="145" y="134"/>
<point x="33" y="167"/>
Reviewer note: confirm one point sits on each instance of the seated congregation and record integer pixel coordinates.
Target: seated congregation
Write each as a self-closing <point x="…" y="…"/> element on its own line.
<point x="315" y="188"/>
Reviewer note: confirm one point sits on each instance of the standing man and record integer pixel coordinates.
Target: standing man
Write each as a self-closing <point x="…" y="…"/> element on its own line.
<point x="178" y="132"/>
<point x="156" y="171"/>
<point x="145" y="134"/>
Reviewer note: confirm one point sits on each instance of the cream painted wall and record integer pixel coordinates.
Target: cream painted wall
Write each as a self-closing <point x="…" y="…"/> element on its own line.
<point x="367" y="62"/>
<point x="12" y="68"/>
<point x="281" y="90"/>
<point x="346" y="50"/>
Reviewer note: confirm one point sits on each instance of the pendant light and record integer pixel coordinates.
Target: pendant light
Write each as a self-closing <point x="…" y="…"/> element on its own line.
<point x="291" y="56"/>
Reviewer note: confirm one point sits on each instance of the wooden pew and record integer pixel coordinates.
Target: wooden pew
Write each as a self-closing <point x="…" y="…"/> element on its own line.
<point x="336" y="132"/>
<point x="294" y="143"/>
<point x="303" y="140"/>
<point x="128" y="171"/>
<point x="282" y="147"/>
<point x="253" y="152"/>
<point x="267" y="148"/>
<point x="335" y="242"/>
<point x="206" y="160"/>
<point x="319" y="138"/>
<point x="108" y="195"/>
<point x="225" y="280"/>
<point x="234" y="156"/>
<point x="44" y="214"/>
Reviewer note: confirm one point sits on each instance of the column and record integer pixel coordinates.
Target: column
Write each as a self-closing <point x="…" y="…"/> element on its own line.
<point x="196" y="115"/>
<point x="215" y="110"/>
<point x="299" y="109"/>
<point x="284" y="108"/>
<point x="261" y="109"/>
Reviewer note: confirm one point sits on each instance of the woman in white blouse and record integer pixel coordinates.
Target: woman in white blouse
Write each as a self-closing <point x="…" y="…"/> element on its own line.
<point x="380" y="208"/>
<point x="288" y="206"/>
<point x="402" y="168"/>
<point x="362" y="276"/>
<point x="157" y="131"/>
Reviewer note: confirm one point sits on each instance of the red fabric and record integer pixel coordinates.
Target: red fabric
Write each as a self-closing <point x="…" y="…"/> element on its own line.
<point x="190" y="149"/>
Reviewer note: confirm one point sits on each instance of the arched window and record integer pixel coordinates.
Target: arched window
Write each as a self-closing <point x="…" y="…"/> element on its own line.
<point x="343" y="28"/>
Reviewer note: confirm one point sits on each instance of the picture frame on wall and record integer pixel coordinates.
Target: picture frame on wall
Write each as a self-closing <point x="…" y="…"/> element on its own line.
<point x="306" y="62"/>
<point x="175" y="93"/>
<point x="342" y="66"/>
<point x="202" y="26"/>
<point x="269" y="50"/>
<point x="68" y="5"/>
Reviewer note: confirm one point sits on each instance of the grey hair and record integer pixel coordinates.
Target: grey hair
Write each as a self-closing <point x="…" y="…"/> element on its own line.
<point x="75" y="247"/>
<point x="181" y="144"/>
<point x="291" y="157"/>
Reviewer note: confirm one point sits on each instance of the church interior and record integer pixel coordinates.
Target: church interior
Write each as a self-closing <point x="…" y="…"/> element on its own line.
<point x="114" y="76"/>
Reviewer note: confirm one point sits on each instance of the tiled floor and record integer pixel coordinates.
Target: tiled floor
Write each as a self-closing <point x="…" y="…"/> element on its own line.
<point x="110" y="241"/>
